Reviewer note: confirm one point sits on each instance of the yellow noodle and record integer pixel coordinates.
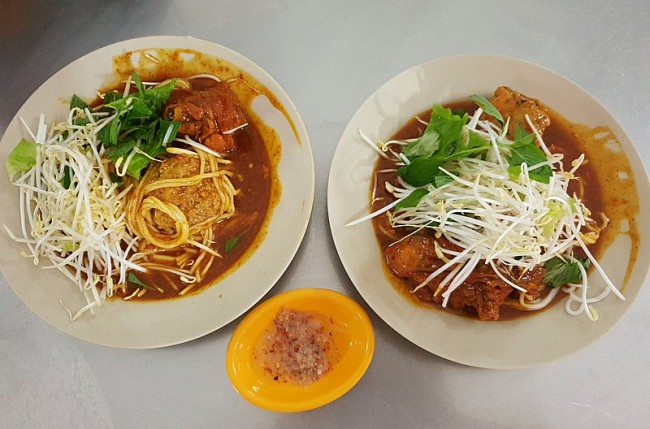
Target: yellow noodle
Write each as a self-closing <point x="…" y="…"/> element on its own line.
<point x="193" y="243"/>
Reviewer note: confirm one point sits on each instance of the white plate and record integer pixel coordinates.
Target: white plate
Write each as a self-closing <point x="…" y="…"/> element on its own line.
<point x="518" y="343"/>
<point x="162" y="323"/>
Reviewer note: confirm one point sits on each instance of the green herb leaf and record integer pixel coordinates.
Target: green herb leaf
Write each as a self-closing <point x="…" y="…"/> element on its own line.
<point x="487" y="107"/>
<point x="421" y="171"/>
<point x="137" y="124"/>
<point x="521" y="134"/>
<point x="114" y="153"/>
<point x="112" y="96"/>
<point x="116" y="179"/>
<point x="441" y="135"/>
<point x="441" y="179"/>
<point x="21" y="159"/>
<point x="424" y="147"/>
<point x="230" y="244"/>
<point x="135" y="281"/>
<point x="156" y="97"/>
<point x="560" y="272"/>
<point x="77" y="102"/>
<point x="442" y="141"/>
<point x="523" y="151"/>
<point x="412" y="199"/>
<point x="108" y="135"/>
<point x="67" y="177"/>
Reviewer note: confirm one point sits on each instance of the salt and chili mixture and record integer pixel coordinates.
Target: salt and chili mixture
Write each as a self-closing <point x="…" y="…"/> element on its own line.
<point x="296" y="349"/>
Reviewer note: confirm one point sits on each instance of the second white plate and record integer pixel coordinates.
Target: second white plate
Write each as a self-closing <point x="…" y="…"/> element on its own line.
<point x="517" y="343"/>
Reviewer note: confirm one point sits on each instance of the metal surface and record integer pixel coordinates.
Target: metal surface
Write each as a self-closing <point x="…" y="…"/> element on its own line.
<point x="329" y="56"/>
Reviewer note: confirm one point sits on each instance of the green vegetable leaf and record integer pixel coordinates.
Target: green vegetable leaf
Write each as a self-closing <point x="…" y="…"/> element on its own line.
<point x="137" y="124"/>
<point x="441" y="179"/>
<point x="412" y="199"/>
<point x="114" y="153"/>
<point x="139" y="110"/>
<point x="112" y="96"/>
<point x="487" y="107"/>
<point x="21" y="159"/>
<point x="524" y="151"/>
<point x="560" y="272"/>
<point x="138" y="83"/>
<point x="108" y="135"/>
<point x="442" y="141"/>
<point x="441" y="135"/>
<point x="424" y="147"/>
<point x="421" y="171"/>
<point x="132" y="279"/>
<point x="77" y="102"/>
<point x="67" y="177"/>
<point x="230" y="244"/>
<point x="156" y="97"/>
<point x="521" y="134"/>
<point x="116" y="179"/>
<point x="138" y="163"/>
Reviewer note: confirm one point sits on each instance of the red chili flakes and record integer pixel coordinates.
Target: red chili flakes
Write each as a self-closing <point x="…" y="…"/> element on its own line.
<point x="295" y="350"/>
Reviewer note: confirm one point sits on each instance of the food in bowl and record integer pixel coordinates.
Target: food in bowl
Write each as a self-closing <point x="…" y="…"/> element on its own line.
<point x="334" y="329"/>
<point x="154" y="190"/>
<point x="490" y="208"/>
<point x="296" y="349"/>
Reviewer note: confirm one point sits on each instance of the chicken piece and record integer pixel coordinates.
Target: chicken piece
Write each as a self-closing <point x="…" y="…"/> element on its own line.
<point x="514" y="105"/>
<point x="209" y="112"/>
<point x="197" y="202"/>
<point x="484" y="291"/>
<point x="414" y="258"/>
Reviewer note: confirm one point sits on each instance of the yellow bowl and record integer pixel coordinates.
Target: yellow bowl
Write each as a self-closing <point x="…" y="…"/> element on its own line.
<point x="353" y="347"/>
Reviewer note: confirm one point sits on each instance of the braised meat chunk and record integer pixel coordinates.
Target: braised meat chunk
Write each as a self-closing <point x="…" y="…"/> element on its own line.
<point x="483" y="291"/>
<point x="514" y="105"/>
<point x="208" y="112"/>
<point x="414" y="258"/>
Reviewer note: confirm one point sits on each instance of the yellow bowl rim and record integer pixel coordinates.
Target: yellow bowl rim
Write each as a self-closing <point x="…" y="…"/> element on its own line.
<point x="249" y="325"/>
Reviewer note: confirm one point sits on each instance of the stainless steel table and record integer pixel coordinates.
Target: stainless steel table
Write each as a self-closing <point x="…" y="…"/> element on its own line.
<point x="329" y="56"/>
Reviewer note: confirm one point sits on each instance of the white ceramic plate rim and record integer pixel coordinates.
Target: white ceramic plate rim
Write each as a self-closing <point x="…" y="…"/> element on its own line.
<point x="162" y="323"/>
<point x="518" y="343"/>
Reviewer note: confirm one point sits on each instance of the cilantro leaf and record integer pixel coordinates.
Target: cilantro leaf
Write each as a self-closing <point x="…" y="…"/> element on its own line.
<point x="560" y="271"/>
